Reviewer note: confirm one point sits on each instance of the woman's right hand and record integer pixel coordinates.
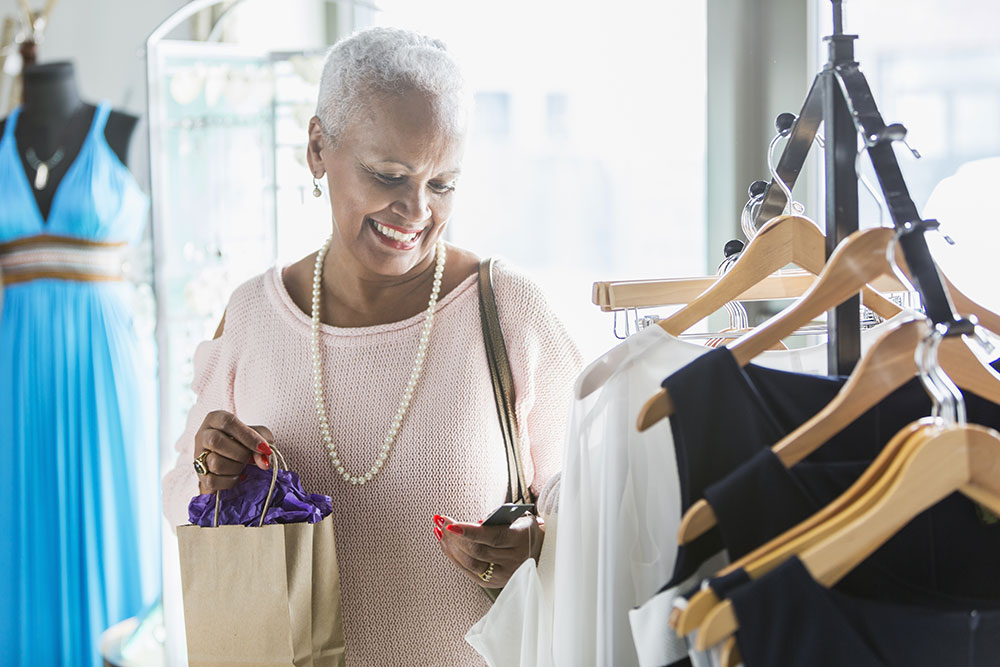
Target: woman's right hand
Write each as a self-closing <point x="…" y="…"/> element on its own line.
<point x="230" y="445"/>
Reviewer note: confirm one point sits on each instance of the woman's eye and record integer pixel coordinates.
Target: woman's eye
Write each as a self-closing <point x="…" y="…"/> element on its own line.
<point x="396" y="179"/>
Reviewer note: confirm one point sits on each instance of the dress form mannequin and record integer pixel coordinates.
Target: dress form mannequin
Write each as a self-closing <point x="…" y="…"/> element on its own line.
<point x="54" y="118"/>
<point x="83" y="443"/>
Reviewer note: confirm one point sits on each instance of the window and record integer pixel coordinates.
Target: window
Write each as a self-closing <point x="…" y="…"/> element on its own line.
<point x="587" y="161"/>
<point x="492" y="116"/>
<point x="935" y="68"/>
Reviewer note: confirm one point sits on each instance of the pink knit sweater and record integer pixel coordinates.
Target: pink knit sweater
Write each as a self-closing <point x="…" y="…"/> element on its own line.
<point x="404" y="603"/>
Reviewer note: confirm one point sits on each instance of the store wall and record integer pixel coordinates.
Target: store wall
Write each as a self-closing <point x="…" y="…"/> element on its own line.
<point x="758" y="67"/>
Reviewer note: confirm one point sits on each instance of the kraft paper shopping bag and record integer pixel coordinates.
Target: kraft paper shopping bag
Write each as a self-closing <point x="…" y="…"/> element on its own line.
<point x="265" y="595"/>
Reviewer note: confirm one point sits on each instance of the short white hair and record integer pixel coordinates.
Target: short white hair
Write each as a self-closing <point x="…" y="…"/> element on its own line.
<point x="387" y="60"/>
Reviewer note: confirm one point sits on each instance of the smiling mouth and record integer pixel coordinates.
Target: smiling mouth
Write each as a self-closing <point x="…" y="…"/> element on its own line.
<point x="394" y="234"/>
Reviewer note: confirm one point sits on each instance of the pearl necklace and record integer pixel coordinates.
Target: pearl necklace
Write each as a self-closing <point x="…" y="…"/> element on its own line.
<point x="404" y="403"/>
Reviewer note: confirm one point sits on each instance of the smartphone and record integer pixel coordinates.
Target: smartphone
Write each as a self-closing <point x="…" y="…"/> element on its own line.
<point x="507" y="514"/>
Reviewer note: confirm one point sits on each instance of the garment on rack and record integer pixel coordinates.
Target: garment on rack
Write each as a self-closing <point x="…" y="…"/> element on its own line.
<point x="948" y="548"/>
<point x="655" y="641"/>
<point x="788" y="619"/>
<point x="724" y="415"/>
<point x="760" y="499"/>
<point x="620" y="505"/>
<point x="80" y="545"/>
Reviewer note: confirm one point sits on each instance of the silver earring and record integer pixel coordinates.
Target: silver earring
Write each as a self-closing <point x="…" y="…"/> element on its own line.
<point x="316" y="191"/>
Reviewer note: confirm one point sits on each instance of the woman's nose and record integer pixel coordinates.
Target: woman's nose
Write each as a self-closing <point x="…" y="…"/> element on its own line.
<point x="413" y="206"/>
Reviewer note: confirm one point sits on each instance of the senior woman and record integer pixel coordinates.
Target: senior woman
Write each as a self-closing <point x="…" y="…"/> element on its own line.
<point x="404" y="434"/>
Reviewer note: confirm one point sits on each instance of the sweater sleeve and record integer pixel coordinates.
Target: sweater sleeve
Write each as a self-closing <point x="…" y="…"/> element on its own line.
<point x="544" y="361"/>
<point x="214" y="374"/>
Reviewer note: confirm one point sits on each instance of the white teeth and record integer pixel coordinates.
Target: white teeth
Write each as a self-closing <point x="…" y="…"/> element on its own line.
<point x="393" y="234"/>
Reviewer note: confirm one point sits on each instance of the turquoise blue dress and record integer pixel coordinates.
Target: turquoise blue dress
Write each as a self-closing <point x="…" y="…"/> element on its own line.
<point x="79" y="520"/>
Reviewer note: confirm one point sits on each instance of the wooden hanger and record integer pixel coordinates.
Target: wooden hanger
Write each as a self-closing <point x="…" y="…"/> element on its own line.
<point x="879" y="369"/>
<point x="858" y="260"/>
<point x="934" y="462"/>
<point x="730" y="654"/>
<point x="612" y="295"/>
<point x="784" y="240"/>
<point x="703" y="601"/>
<point x="764" y="558"/>
<point x="888" y="365"/>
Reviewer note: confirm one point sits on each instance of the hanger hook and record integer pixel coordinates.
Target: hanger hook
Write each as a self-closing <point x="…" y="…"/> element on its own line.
<point x="738" y="318"/>
<point x="614" y="326"/>
<point x="950" y="404"/>
<point x="927" y="379"/>
<point x="950" y="395"/>
<point x="755" y="197"/>
<point x="746" y="220"/>
<point x="956" y="399"/>
<point x="783" y="123"/>
<point x="774" y="174"/>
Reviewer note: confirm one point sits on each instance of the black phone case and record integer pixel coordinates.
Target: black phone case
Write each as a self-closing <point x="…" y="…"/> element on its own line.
<point x="507" y="514"/>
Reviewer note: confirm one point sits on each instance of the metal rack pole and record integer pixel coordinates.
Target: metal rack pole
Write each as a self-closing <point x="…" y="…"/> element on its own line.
<point x="841" y="135"/>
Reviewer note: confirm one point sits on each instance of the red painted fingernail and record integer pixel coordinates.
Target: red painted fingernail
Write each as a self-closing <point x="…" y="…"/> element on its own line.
<point x="481" y="521"/>
<point x="455" y="529"/>
<point x="243" y="477"/>
<point x="267" y="463"/>
<point x="438" y="519"/>
<point x="264" y="449"/>
<point x="437" y="533"/>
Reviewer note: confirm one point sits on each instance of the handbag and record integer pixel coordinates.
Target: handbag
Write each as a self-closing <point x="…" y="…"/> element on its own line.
<point x="503" y="383"/>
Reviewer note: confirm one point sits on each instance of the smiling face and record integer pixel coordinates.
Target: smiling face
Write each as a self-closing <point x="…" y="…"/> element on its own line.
<point x="391" y="178"/>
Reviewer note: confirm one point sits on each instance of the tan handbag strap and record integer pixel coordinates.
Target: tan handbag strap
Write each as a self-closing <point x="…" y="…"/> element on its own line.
<point x="503" y="383"/>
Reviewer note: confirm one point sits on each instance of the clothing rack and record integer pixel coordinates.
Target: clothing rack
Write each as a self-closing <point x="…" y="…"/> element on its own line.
<point x="841" y="99"/>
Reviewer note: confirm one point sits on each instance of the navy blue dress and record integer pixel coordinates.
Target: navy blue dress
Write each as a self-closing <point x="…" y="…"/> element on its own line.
<point x="938" y="576"/>
<point x="787" y="619"/>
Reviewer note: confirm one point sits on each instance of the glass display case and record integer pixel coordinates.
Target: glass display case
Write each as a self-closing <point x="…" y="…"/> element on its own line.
<point x="213" y="183"/>
<point x="229" y="118"/>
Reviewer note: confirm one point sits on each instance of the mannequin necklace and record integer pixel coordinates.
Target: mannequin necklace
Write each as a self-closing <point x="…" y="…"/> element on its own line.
<point x="404" y="403"/>
<point x="42" y="167"/>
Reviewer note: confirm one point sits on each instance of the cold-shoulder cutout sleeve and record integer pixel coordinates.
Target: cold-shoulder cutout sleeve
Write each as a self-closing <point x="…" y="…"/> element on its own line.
<point x="222" y="327"/>
<point x="214" y="374"/>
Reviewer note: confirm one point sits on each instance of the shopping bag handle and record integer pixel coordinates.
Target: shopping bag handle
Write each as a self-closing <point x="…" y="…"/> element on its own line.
<point x="270" y="491"/>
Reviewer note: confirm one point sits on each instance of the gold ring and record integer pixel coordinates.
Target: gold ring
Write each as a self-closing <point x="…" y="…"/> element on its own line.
<point x="488" y="574"/>
<point x="200" y="466"/>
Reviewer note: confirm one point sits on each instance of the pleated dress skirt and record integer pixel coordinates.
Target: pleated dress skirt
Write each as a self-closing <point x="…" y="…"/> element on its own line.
<point x="79" y="545"/>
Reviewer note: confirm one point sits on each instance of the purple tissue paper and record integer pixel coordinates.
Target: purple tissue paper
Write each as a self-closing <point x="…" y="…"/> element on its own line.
<point x="242" y="504"/>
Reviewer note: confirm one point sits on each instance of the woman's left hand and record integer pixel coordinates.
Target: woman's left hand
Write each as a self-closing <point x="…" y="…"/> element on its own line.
<point x="489" y="555"/>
